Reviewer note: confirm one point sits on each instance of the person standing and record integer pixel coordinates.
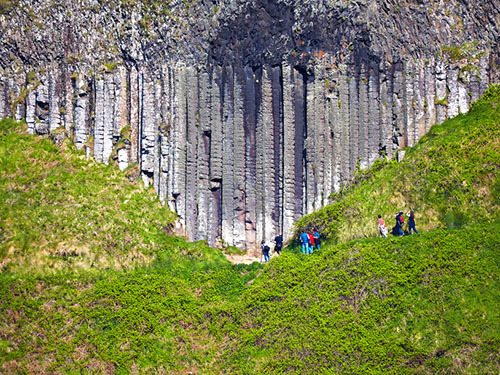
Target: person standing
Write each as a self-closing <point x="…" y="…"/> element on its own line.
<point x="265" y="251"/>
<point x="278" y="240"/>
<point x="311" y="242"/>
<point x="399" y="223"/>
<point x="317" y="240"/>
<point x="304" y="240"/>
<point x="411" y="221"/>
<point x="381" y="227"/>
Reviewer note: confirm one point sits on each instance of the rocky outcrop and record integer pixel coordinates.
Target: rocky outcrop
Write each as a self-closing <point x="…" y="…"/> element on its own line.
<point x="249" y="133"/>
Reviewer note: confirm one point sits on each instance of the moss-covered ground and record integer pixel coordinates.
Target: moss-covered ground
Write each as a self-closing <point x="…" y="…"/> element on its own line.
<point x="92" y="282"/>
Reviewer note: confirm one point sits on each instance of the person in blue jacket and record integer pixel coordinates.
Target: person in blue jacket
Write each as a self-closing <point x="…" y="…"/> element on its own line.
<point x="304" y="240"/>
<point x="317" y="240"/>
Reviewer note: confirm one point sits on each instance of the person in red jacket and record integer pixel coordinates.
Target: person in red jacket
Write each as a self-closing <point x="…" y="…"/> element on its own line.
<point x="311" y="242"/>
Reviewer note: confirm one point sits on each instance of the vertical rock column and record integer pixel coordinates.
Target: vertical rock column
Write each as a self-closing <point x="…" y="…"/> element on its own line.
<point x="484" y="80"/>
<point x="30" y="109"/>
<point x="374" y="134"/>
<point x="350" y="126"/>
<point x="68" y="116"/>
<point x="133" y="83"/>
<point x="441" y="98"/>
<point x="319" y="137"/>
<point x="215" y="201"/>
<point x="239" y="229"/>
<point x="148" y="130"/>
<point x="249" y="124"/>
<point x="277" y="100"/>
<point x="333" y="115"/>
<point x="299" y="103"/>
<point x="385" y="109"/>
<point x="164" y="126"/>
<point x="452" y="84"/>
<point x="363" y="121"/>
<point x="108" y="116"/>
<point x="228" y="155"/>
<point x="179" y="136"/>
<point x="121" y="115"/>
<point x="289" y="151"/>
<point x="409" y="104"/>
<point x="260" y="150"/>
<point x="99" y="120"/>
<point x="204" y="139"/>
<point x="267" y="147"/>
<point x="192" y="180"/>
<point x="419" y="92"/>
<point x="53" y="99"/>
<point x="397" y="105"/>
<point x="81" y="115"/>
<point x="430" y="94"/>
<point x="310" y="183"/>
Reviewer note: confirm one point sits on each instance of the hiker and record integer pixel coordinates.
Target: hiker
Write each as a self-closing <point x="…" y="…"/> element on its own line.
<point x="311" y="242"/>
<point x="304" y="240"/>
<point x="411" y="221"/>
<point x="381" y="227"/>
<point x="278" y="240"/>
<point x="265" y="251"/>
<point x="399" y="223"/>
<point x="317" y="240"/>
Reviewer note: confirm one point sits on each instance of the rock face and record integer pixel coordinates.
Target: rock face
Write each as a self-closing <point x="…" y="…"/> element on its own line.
<point x="250" y="114"/>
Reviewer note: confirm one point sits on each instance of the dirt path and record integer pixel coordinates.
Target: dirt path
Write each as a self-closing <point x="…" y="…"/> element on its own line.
<point x="245" y="258"/>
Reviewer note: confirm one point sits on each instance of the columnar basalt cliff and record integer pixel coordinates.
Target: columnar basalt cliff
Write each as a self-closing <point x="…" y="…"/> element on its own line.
<point x="244" y="115"/>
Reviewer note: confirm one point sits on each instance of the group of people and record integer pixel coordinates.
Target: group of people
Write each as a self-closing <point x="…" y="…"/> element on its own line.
<point x="266" y="248"/>
<point x="310" y="242"/>
<point x="398" y="228"/>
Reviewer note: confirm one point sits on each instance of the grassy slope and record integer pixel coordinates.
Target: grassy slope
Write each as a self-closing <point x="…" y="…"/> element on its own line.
<point x="421" y="304"/>
<point x="90" y="279"/>
<point x="451" y="178"/>
<point x="60" y="211"/>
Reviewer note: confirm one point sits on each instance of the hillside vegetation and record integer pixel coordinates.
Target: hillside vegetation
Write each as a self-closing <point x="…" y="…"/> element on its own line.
<point x="60" y="211"/>
<point x="421" y="304"/>
<point x="451" y="179"/>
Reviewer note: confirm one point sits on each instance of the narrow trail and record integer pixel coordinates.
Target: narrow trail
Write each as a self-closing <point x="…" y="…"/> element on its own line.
<point x="242" y="259"/>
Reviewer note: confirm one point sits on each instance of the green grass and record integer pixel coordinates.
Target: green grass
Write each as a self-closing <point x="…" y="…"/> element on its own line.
<point x="451" y="178"/>
<point x="91" y="281"/>
<point x="423" y="304"/>
<point x="59" y="210"/>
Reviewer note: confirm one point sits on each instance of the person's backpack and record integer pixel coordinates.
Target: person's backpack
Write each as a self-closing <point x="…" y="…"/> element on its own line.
<point x="266" y="249"/>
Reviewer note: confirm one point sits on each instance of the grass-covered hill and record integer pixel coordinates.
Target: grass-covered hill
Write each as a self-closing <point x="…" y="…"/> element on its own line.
<point x="138" y="300"/>
<point x="60" y="211"/>
<point x="90" y="279"/>
<point x="451" y="179"/>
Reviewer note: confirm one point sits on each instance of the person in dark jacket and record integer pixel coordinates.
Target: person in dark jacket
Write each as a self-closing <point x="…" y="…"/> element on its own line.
<point x="399" y="223"/>
<point x="278" y="240"/>
<point x="411" y="221"/>
<point x="265" y="251"/>
<point x="317" y="240"/>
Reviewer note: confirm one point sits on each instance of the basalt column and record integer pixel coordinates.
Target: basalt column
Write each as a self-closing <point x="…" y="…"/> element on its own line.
<point x="239" y="204"/>
<point x="250" y="125"/>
